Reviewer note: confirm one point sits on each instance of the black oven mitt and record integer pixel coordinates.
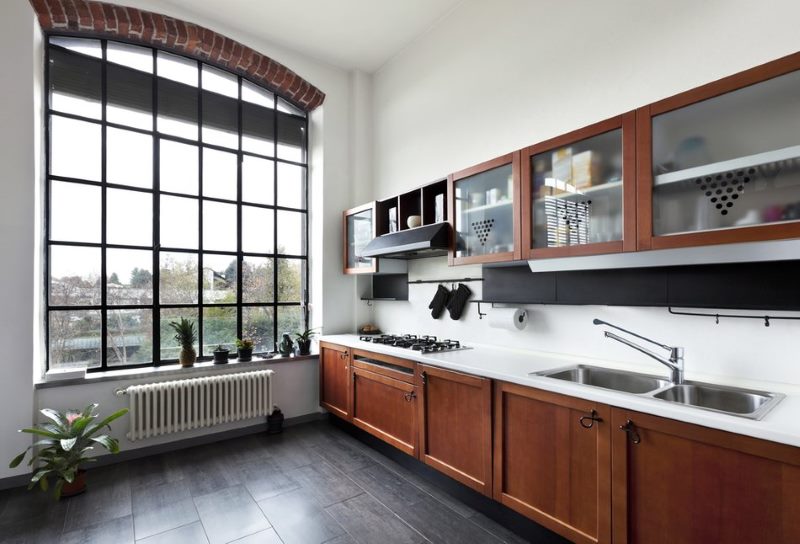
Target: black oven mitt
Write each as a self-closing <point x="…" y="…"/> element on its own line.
<point x="458" y="300"/>
<point x="439" y="301"/>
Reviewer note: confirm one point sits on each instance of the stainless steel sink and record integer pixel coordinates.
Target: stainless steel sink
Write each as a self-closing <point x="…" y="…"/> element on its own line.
<point x="718" y="398"/>
<point x="616" y="380"/>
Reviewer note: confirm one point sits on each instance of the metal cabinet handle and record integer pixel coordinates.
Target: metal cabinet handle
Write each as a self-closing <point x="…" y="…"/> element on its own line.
<point x="587" y="422"/>
<point x="630" y="429"/>
<point x="411" y="395"/>
<point x="424" y="376"/>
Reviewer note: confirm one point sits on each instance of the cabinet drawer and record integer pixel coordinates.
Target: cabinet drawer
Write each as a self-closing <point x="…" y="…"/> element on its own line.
<point x="385" y="365"/>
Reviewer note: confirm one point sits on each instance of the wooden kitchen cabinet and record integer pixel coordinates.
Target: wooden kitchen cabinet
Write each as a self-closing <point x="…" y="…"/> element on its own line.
<point x="719" y="163"/>
<point x="579" y="191"/>
<point x="455" y="430"/>
<point x="385" y="402"/>
<point x="334" y="379"/>
<point x="484" y="212"/>
<point x="677" y="482"/>
<point x="359" y="230"/>
<point x="552" y="460"/>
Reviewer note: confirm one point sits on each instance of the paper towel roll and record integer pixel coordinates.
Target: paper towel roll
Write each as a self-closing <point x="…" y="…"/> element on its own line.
<point x="511" y="319"/>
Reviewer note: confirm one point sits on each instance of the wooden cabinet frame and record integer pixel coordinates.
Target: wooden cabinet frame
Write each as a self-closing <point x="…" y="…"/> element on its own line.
<point x="627" y="123"/>
<point x="514" y="160"/>
<point x="401" y="387"/>
<point x="352" y="211"/>
<point x="602" y="502"/>
<point x="483" y="448"/>
<point x="344" y="354"/>
<point x="642" y="424"/>
<point x="644" y="115"/>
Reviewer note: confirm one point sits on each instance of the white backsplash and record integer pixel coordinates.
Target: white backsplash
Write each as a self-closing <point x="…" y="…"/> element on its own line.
<point x="738" y="349"/>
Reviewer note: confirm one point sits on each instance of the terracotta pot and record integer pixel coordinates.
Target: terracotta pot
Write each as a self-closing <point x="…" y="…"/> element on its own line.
<point x="77" y="486"/>
<point x="187" y="357"/>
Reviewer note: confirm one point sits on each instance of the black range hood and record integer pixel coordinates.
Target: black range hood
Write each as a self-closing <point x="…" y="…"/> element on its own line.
<point x="428" y="241"/>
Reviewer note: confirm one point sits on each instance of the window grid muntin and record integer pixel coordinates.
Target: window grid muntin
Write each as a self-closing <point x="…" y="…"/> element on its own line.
<point x="276" y="111"/>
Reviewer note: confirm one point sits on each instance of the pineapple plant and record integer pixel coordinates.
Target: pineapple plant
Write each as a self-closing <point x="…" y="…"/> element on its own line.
<point x="186" y="336"/>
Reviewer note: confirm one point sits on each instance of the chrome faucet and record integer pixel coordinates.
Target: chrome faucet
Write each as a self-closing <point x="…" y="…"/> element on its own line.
<point x="674" y="363"/>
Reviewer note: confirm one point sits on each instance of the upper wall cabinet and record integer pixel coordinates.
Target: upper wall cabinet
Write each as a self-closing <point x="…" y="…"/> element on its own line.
<point x="359" y="230"/>
<point x="579" y="193"/>
<point x="721" y="163"/>
<point x="485" y="212"/>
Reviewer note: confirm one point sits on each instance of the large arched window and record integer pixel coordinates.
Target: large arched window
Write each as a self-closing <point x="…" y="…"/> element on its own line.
<point x="174" y="189"/>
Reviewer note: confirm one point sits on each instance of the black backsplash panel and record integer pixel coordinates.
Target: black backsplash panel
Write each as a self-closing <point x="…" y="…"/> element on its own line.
<point x="390" y="286"/>
<point x="756" y="286"/>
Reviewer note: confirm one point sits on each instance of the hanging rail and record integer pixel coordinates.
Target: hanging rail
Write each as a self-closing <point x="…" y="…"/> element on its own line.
<point x="460" y="280"/>
<point x="766" y="318"/>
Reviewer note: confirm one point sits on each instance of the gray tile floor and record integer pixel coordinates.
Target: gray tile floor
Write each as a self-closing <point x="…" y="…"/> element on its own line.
<point x="313" y="484"/>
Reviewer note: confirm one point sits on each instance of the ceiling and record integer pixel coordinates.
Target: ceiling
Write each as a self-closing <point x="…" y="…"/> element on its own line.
<point x="352" y="34"/>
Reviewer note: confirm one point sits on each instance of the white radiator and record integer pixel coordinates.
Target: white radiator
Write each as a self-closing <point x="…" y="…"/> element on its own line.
<point x="181" y="405"/>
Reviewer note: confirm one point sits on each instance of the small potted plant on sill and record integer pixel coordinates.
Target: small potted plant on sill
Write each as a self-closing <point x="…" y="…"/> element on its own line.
<point x="286" y="347"/>
<point x="221" y="355"/>
<point x="245" y="349"/>
<point x="304" y="341"/>
<point x="64" y="442"/>
<point x="186" y="336"/>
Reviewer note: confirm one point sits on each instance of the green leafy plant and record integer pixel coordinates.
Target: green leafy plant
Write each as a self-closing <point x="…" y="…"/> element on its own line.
<point x="220" y="348"/>
<point x="306" y="335"/>
<point x="64" y="443"/>
<point x="244" y="343"/>
<point x="185" y="333"/>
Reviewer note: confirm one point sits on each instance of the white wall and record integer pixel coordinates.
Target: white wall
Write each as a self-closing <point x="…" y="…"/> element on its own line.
<point x="332" y="139"/>
<point x="497" y="76"/>
<point x="295" y="391"/>
<point x="18" y="39"/>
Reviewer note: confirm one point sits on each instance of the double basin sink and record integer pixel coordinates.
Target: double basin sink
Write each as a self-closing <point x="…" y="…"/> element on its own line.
<point x="717" y="398"/>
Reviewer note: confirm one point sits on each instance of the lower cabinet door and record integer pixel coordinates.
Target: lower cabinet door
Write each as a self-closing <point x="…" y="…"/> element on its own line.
<point x="552" y="461"/>
<point x="678" y="482"/>
<point x="334" y="379"/>
<point x="456" y="425"/>
<point x="386" y="408"/>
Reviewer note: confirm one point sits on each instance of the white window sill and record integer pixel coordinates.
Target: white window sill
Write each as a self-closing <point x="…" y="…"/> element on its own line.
<point x="199" y="369"/>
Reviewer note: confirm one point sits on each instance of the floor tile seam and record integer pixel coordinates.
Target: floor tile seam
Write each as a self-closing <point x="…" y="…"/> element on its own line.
<point x="321" y="507"/>
<point x="365" y="491"/>
<point x="133" y="517"/>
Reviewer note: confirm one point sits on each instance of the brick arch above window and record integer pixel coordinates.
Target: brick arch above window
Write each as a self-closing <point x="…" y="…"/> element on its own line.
<point x="101" y="19"/>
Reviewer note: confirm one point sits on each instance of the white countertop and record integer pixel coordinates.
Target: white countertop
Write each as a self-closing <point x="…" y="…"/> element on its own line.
<point x="781" y="424"/>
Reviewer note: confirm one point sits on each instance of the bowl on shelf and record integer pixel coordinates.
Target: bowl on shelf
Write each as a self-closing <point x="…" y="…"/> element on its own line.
<point x="414" y="221"/>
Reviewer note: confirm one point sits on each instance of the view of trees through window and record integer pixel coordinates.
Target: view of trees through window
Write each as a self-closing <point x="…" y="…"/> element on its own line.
<point x="174" y="190"/>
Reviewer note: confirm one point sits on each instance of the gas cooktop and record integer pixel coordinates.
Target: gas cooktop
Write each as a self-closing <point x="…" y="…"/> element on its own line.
<point x="424" y="343"/>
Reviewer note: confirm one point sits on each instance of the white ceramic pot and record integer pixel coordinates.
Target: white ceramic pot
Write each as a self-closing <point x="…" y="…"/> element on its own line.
<point x="414" y="221"/>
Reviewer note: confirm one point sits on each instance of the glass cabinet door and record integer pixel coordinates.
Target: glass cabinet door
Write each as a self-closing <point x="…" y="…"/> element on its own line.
<point x="574" y="186"/>
<point x="359" y="231"/>
<point x="485" y="219"/>
<point x="728" y="162"/>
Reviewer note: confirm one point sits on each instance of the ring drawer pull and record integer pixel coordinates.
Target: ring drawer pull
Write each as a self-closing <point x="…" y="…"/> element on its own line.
<point x="587" y="422"/>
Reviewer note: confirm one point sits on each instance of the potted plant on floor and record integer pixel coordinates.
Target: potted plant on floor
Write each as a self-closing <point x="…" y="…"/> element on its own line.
<point x="304" y="341"/>
<point x="186" y="336"/>
<point x="221" y="355"/>
<point x="64" y="442"/>
<point x="244" y="347"/>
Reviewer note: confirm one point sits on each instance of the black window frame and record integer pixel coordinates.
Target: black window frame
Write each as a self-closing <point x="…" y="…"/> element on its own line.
<point x="155" y="191"/>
